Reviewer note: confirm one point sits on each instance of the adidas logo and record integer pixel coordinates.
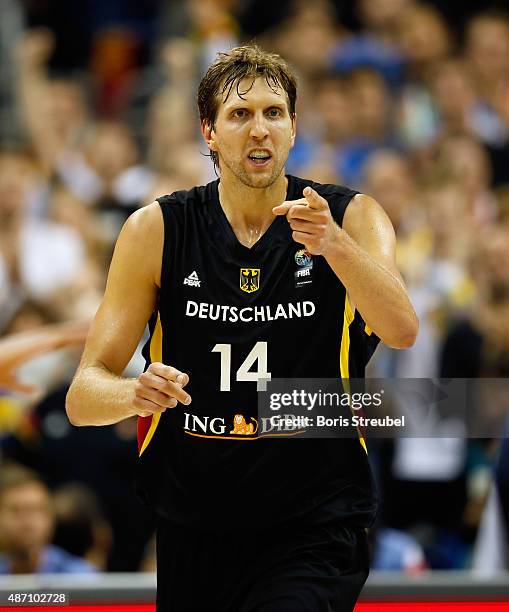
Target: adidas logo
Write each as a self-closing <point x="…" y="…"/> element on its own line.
<point x="192" y="280"/>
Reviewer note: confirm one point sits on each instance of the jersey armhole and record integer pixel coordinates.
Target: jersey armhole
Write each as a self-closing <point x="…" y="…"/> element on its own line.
<point x="165" y="203"/>
<point x="339" y="205"/>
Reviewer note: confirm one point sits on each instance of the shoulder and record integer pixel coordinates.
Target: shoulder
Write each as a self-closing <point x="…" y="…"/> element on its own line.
<point x="188" y="197"/>
<point x="141" y="240"/>
<point x="144" y="221"/>
<point x="365" y="212"/>
<point x="144" y="230"/>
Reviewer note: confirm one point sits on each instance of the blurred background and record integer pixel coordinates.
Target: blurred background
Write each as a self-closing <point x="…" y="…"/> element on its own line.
<point x="406" y="101"/>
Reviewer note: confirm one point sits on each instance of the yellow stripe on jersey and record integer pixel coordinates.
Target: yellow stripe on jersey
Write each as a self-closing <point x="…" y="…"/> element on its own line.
<point x="156" y="354"/>
<point x="344" y="354"/>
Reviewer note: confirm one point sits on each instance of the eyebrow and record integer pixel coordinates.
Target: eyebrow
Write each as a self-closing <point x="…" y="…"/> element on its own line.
<point x="241" y="105"/>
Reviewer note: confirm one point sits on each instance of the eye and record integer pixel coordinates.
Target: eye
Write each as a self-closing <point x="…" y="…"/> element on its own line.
<point x="274" y="112"/>
<point x="239" y="113"/>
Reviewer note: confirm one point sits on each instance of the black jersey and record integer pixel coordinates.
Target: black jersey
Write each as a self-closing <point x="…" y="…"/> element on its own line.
<point x="229" y="315"/>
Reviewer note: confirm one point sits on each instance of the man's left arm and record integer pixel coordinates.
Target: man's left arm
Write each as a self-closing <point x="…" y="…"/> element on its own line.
<point x="362" y="255"/>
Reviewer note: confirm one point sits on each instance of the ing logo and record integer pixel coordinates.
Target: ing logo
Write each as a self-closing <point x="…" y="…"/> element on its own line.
<point x="217" y="428"/>
<point x="205" y="426"/>
<point x="250" y="279"/>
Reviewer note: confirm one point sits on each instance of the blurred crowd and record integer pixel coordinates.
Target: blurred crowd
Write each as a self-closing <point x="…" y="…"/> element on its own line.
<point x="397" y="99"/>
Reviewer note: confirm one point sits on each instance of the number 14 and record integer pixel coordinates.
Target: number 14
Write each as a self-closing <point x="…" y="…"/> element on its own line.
<point x="244" y="373"/>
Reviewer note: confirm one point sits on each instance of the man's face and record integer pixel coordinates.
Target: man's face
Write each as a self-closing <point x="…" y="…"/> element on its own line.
<point x="26" y="518"/>
<point x="253" y="135"/>
<point x="488" y="47"/>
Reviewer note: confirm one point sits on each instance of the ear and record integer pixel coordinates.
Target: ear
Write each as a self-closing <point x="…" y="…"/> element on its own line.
<point x="209" y="135"/>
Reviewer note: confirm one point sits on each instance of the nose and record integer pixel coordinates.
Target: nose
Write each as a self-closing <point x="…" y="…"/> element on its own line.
<point x="259" y="128"/>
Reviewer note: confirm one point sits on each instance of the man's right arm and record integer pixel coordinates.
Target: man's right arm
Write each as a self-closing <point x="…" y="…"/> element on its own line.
<point x="98" y="394"/>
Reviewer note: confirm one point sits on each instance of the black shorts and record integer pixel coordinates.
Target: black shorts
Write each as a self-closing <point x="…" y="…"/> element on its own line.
<point x="311" y="569"/>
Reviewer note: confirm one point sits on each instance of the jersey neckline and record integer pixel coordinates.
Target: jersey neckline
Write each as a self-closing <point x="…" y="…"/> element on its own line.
<point x="269" y="233"/>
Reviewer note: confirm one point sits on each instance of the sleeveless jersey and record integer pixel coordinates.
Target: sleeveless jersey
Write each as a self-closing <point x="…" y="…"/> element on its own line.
<point x="227" y="314"/>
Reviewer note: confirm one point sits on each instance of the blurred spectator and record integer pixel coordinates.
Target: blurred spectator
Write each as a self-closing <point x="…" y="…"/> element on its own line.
<point x="390" y="179"/>
<point x="171" y="125"/>
<point x="49" y="444"/>
<point x="477" y="344"/>
<point x="465" y="161"/>
<point x="382" y="19"/>
<point x="26" y="526"/>
<point x="309" y="36"/>
<point x="318" y="148"/>
<point x="376" y="46"/>
<point x="213" y="26"/>
<point x="487" y="50"/>
<point x="353" y="123"/>
<point x="52" y="110"/>
<point x="106" y="174"/>
<point x="455" y="100"/>
<point x="38" y="257"/>
<point x="81" y="529"/>
<point x="424" y="39"/>
<point x="372" y="124"/>
<point x="114" y="63"/>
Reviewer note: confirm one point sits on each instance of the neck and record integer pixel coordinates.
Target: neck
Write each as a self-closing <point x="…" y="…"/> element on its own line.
<point x="249" y="209"/>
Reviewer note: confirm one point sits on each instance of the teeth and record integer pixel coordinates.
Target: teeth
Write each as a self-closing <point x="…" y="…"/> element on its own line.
<point x="260" y="155"/>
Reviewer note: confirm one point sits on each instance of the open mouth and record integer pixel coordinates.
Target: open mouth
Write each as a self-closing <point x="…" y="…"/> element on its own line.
<point x="259" y="158"/>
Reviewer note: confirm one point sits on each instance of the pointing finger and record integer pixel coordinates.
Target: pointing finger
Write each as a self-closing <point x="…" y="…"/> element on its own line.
<point x="314" y="200"/>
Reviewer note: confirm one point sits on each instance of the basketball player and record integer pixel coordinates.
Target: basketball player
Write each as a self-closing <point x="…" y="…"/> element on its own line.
<point x="246" y="521"/>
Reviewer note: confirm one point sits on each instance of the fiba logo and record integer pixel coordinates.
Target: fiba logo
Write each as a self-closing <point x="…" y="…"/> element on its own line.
<point x="303" y="258"/>
<point x="304" y="261"/>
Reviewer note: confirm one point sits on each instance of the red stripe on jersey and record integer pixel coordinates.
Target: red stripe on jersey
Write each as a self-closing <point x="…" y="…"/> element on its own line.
<point x="143" y="427"/>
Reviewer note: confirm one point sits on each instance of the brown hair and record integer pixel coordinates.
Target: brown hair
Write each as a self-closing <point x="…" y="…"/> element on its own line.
<point x="489" y="15"/>
<point x="249" y="61"/>
<point x="14" y="476"/>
